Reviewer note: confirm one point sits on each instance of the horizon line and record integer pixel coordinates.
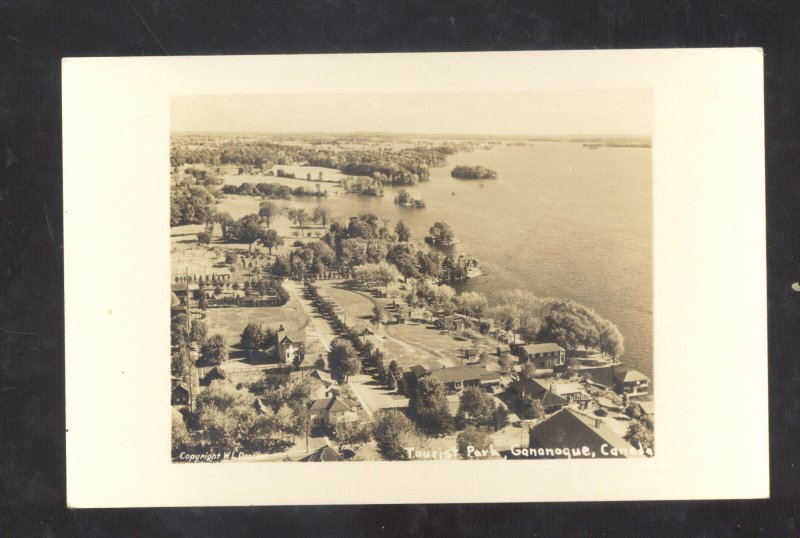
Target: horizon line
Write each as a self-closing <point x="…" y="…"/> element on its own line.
<point x="409" y="133"/>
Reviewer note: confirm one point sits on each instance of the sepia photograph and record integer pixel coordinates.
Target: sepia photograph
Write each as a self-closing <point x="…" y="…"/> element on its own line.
<point x="411" y="276"/>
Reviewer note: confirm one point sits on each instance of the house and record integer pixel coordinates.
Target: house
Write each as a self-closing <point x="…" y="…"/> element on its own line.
<point x="180" y="394"/>
<point x="471" y="353"/>
<point x="630" y="382"/>
<point x="289" y="345"/>
<point x="547" y="356"/>
<point x="324" y="411"/>
<point x="531" y="388"/>
<point x="214" y="375"/>
<point x="572" y="392"/>
<point x="456" y="378"/>
<point x="325" y="453"/>
<point x="363" y="332"/>
<point x="328" y="386"/>
<point x="572" y="430"/>
<point x="418" y="371"/>
<point x="502" y="349"/>
<point x="452" y="323"/>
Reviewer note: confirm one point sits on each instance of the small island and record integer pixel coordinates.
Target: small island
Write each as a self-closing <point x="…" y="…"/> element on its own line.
<point x="407" y="198"/>
<point x="473" y="172"/>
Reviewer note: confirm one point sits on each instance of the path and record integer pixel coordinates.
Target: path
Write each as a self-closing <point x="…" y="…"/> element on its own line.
<point x="323" y="329"/>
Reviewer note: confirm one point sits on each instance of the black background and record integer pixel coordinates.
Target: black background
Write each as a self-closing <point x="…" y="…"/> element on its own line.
<point x="36" y="34"/>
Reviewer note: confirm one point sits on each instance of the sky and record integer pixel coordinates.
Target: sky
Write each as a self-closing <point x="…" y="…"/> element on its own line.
<point x="550" y="112"/>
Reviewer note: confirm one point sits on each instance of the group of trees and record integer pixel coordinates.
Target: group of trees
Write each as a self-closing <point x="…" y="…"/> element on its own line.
<point x="190" y="203"/>
<point x="375" y="274"/>
<point x="407" y="198"/>
<point x="255" y="338"/>
<point x="227" y="419"/>
<point x="573" y="325"/>
<point x="442" y="233"/>
<point x="473" y="172"/>
<point x="367" y="186"/>
<point x="568" y="323"/>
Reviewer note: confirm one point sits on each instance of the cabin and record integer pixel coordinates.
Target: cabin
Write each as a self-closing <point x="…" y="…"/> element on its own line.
<point x="456" y="378"/>
<point x="180" y="394"/>
<point x="326" y="411"/>
<point x="502" y="349"/>
<point x="363" y="332"/>
<point x="471" y="353"/>
<point x="574" y="430"/>
<point x="631" y="383"/>
<point x="572" y="392"/>
<point x="453" y="323"/>
<point x="546" y="356"/>
<point x="533" y="389"/>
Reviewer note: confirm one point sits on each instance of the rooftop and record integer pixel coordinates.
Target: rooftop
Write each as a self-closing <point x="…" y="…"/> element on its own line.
<point x="568" y="428"/>
<point x="542" y="348"/>
<point x="334" y="403"/>
<point x="470" y="372"/>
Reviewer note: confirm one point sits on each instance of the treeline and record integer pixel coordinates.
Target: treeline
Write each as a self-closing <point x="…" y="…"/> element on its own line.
<point x="405" y="166"/>
<point x="272" y="190"/>
<point x="190" y="203"/>
<point x="473" y="172"/>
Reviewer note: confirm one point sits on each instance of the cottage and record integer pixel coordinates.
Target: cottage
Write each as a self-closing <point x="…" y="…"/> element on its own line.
<point x="180" y="394"/>
<point x="547" y="356"/>
<point x="363" y="332"/>
<point x="457" y="378"/>
<point x="328" y="386"/>
<point x="402" y="314"/>
<point x="573" y="430"/>
<point x="471" y="353"/>
<point x="333" y="409"/>
<point x="503" y="349"/>
<point x="630" y="382"/>
<point x="572" y="392"/>
<point x="533" y="389"/>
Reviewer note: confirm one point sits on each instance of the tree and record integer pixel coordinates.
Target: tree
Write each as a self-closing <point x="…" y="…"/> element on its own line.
<point x="476" y="408"/>
<point x="473" y="443"/>
<point x="268" y="211"/>
<point x="611" y="341"/>
<point x="352" y="434"/>
<point x="270" y="239"/>
<point x="321" y="215"/>
<point x="500" y="418"/>
<point x="199" y="331"/>
<point x="428" y="406"/>
<point x="180" y="435"/>
<point x="532" y="409"/>
<point x="403" y="232"/>
<point x="379" y="315"/>
<point x="505" y="363"/>
<point x="204" y="238"/>
<point x="252" y="338"/>
<point x="472" y="304"/>
<point x="300" y="216"/>
<point x="215" y="350"/>
<point x="393" y="433"/>
<point x="639" y="435"/>
<point x="441" y="232"/>
<point x="343" y="360"/>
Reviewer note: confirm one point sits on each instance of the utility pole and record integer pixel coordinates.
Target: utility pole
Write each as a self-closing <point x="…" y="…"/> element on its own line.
<point x="187" y="355"/>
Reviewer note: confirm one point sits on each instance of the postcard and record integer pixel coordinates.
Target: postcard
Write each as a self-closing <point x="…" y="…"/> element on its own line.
<point x="443" y="277"/>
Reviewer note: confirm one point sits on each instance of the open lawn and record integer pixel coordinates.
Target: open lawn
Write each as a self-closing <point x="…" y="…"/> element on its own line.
<point x="230" y="322"/>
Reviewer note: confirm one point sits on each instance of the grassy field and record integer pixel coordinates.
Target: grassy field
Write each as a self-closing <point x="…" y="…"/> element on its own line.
<point x="230" y="322"/>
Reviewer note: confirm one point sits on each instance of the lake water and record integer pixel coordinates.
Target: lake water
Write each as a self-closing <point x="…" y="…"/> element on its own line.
<point x="560" y="220"/>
